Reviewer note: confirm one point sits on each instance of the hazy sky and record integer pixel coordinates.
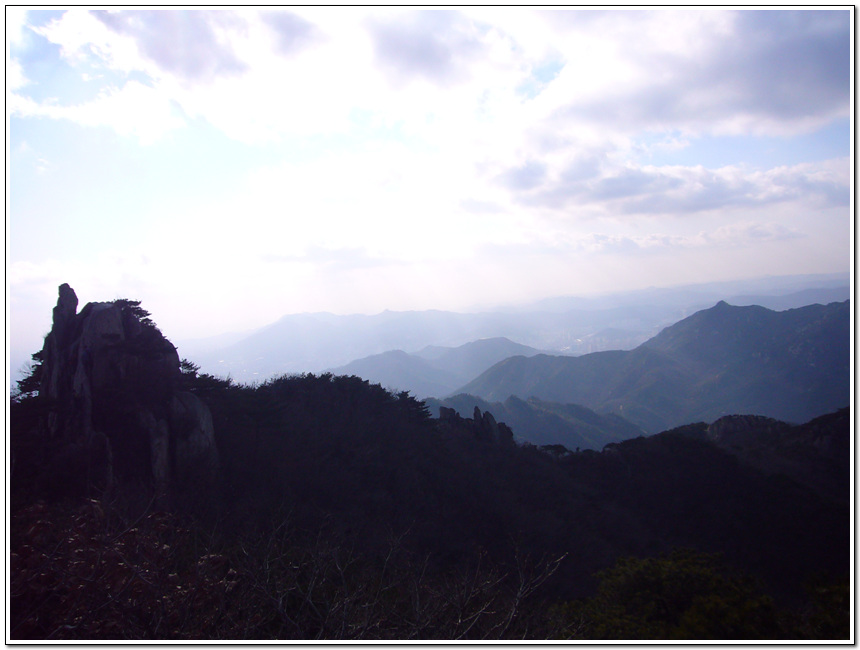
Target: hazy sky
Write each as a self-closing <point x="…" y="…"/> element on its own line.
<point x="229" y="167"/>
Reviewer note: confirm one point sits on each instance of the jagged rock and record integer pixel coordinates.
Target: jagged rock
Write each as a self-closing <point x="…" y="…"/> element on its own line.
<point x="487" y="429"/>
<point x="482" y="425"/>
<point x="64" y="313"/>
<point x="111" y="382"/>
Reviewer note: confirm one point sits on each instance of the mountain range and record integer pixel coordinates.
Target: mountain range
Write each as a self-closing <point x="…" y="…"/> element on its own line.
<point x="791" y="365"/>
<point x="435" y="370"/>
<point x="149" y="500"/>
<point x="316" y="342"/>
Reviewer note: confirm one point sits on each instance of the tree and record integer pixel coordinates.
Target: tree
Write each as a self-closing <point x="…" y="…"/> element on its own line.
<point x="29" y="385"/>
<point x="684" y="595"/>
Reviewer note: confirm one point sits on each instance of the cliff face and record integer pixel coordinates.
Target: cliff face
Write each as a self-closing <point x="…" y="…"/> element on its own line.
<point x="112" y="384"/>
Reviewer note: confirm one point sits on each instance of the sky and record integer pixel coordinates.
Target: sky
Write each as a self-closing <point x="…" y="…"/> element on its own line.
<point x="227" y="167"/>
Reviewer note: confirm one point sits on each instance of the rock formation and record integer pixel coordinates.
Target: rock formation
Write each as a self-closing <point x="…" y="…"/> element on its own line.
<point x="482" y="426"/>
<point x="111" y="383"/>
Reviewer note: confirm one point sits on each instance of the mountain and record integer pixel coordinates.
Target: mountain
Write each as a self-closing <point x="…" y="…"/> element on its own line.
<point x="794" y="290"/>
<point x="812" y="296"/>
<point x="299" y="343"/>
<point x="792" y="365"/>
<point x="545" y="423"/>
<point x="332" y="508"/>
<point x="435" y="370"/>
<point x="316" y="342"/>
<point x="397" y="370"/>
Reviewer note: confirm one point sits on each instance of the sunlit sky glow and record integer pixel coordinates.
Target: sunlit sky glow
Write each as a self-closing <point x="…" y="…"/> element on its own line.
<point x="230" y="167"/>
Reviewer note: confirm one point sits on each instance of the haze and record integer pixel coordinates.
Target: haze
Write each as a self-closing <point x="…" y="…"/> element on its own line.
<point x="230" y="167"/>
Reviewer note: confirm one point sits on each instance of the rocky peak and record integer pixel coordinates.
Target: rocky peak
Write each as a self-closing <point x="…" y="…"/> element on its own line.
<point x="65" y="312"/>
<point x="110" y="379"/>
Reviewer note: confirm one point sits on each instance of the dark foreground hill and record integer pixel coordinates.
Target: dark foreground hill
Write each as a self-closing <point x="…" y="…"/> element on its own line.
<point x="339" y="510"/>
<point x="791" y="365"/>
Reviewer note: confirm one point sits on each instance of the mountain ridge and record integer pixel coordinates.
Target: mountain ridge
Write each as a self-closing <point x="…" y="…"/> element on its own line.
<point x="761" y="361"/>
<point x="313" y="342"/>
<point x="439" y="371"/>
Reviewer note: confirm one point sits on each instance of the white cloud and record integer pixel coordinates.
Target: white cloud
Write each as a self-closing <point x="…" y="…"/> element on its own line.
<point x="16" y="26"/>
<point x="15" y="77"/>
<point x="413" y="158"/>
<point x="694" y="71"/>
<point x="133" y="110"/>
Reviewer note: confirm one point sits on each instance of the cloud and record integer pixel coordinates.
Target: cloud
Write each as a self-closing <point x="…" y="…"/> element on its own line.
<point x="790" y="65"/>
<point x="525" y="177"/>
<point x="15" y="77"/>
<point x="674" y="190"/>
<point x="183" y="43"/>
<point x="629" y="182"/>
<point x="769" y="72"/>
<point x="16" y="26"/>
<point x="826" y="183"/>
<point x="134" y="110"/>
<point x="292" y="32"/>
<point x="432" y="45"/>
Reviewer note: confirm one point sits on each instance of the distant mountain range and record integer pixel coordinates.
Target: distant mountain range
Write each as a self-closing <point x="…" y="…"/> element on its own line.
<point x="435" y="370"/>
<point x="570" y="325"/>
<point x="792" y="365"/>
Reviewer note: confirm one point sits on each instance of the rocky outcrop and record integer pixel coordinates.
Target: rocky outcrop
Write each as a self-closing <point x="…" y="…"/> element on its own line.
<point x="742" y="431"/>
<point x="814" y="454"/>
<point x="482" y="426"/>
<point x="111" y="383"/>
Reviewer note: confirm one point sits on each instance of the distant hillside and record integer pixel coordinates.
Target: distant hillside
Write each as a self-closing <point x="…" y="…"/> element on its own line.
<point x="792" y="365"/>
<point x="435" y="371"/>
<point x="815" y="296"/>
<point x="545" y="423"/>
<point x="397" y="370"/>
